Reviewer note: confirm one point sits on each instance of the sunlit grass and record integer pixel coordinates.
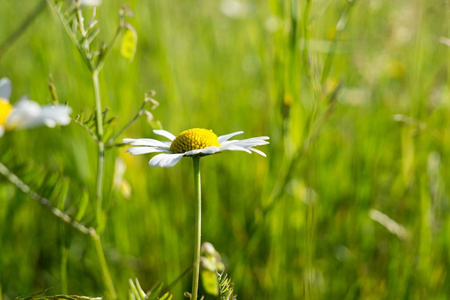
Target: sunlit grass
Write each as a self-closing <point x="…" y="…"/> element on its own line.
<point x="371" y="133"/>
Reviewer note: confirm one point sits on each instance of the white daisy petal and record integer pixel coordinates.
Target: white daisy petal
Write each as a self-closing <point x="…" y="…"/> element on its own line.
<point x="226" y="137"/>
<point x="252" y="142"/>
<point x="164" y="133"/>
<point x="2" y="130"/>
<point x="58" y="113"/>
<point x="144" y="150"/>
<point x="257" y="139"/>
<point x="29" y="114"/>
<point x="165" y="160"/>
<point x="257" y="151"/>
<point x="207" y="151"/>
<point x="5" y="88"/>
<point x="147" y="142"/>
<point x="234" y="148"/>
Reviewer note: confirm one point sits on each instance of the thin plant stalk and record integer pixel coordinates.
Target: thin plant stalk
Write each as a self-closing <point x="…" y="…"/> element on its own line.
<point x="99" y="188"/>
<point x="101" y="148"/>
<point x="103" y="265"/>
<point x="198" y="226"/>
<point x="67" y="219"/>
<point x="94" y="69"/>
<point x="64" y="254"/>
<point x="9" y="41"/>
<point x="41" y="200"/>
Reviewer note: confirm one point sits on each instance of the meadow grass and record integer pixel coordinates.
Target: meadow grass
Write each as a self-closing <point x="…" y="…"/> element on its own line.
<point x="351" y="202"/>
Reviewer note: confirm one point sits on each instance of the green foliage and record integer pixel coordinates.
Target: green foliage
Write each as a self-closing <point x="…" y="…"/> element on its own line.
<point x="82" y="35"/>
<point x="129" y="43"/>
<point x="41" y="296"/>
<point x="351" y="203"/>
<point x="226" y="287"/>
<point x="210" y="282"/>
<point x="137" y="293"/>
<point x="49" y="189"/>
<point x="60" y="297"/>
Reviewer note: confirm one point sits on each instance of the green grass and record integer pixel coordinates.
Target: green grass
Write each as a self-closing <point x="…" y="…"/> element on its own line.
<point x="295" y="225"/>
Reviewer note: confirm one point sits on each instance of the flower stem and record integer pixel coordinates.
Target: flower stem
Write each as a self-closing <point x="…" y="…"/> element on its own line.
<point x="198" y="225"/>
<point x="99" y="189"/>
<point x="101" y="148"/>
<point x="103" y="265"/>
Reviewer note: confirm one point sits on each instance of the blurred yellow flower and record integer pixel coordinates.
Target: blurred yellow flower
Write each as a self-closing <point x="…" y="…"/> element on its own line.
<point x="28" y="114"/>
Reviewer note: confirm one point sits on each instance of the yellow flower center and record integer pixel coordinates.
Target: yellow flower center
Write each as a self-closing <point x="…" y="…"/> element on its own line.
<point x="192" y="139"/>
<point x="5" y="110"/>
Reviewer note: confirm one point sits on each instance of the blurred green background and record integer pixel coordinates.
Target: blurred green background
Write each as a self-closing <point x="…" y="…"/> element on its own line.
<point x="351" y="202"/>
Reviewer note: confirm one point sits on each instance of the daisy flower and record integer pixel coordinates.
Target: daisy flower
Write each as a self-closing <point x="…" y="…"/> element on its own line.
<point x="191" y="142"/>
<point x="195" y="143"/>
<point x="28" y="114"/>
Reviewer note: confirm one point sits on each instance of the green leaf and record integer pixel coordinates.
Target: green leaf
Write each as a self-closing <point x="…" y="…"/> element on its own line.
<point x="210" y="282"/>
<point x="166" y="296"/>
<point x="63" y="194"/>
<point x="154" y="291"/>
<point x="83" y="205"/>
<point x="129" y="43"/>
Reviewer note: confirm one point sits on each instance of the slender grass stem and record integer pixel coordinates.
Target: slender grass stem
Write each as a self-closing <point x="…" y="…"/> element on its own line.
<point x="67" y="219"/>
<point x="71" y="34"/>
<point x="64" y="254"/>
<point x="43" y="201"/>
<point x="340" y="27"/>
<point x="138" y="114"/>
<point x="103" y="265"/>
<point x="198" y="224"/>
<point x="99" y="188"/>
<point x="9" y="41"/>
<point x="110" y="46"/>
<point x="101" y="148"/>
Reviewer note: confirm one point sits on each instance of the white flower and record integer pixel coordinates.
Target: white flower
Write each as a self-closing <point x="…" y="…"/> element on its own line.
<point x="192" y="142"/>
<point x="234" y="8"/>
<point x="28" y="114"/>
<point x="91" y="2"/>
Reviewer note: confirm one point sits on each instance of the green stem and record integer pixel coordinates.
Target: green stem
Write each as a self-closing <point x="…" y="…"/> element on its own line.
<point x="341" y="25"/>
<point x="21" y="29"/>
<point x="42" y="201"/>
<point x="71" y="34"/>
<point x="198" y="226"/>
<point x="99" y="188"/>
<point x="64" y="253"/>
<point x="109" y="47"/>
<point x="101" y="148"/>
<point x="103" y="265"/>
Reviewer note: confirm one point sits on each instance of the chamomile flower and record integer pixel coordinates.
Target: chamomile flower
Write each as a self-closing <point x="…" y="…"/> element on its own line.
<point x="195" y="143"/>
<point x="28" y="114"/>
<point x="192" y="142"/>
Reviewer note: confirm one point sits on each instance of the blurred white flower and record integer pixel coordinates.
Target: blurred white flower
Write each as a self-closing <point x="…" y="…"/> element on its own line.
<point x="28" y="114"/>
<point x="119" y="183"/>
<point x="445" y="41"/>
<point x="192" y="142"/>
<point x="234" y="8"/>
<point x="273" y="23"/>
<point x="91" y="2"/>
<point x="393" y="227"/>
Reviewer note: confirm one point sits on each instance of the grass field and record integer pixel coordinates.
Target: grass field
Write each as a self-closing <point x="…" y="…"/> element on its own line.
<point x="350" y="203"/>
